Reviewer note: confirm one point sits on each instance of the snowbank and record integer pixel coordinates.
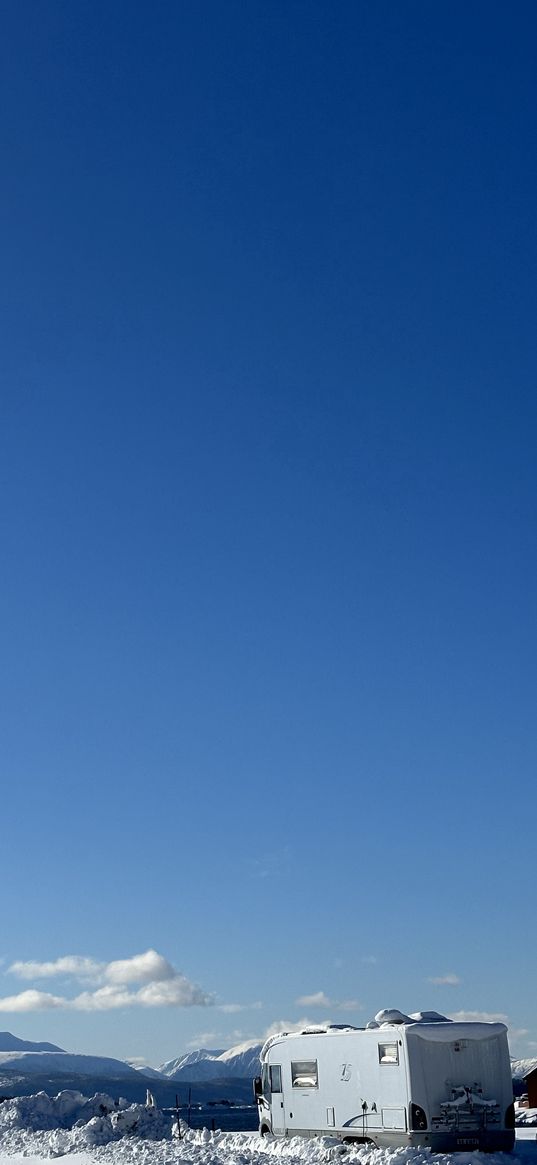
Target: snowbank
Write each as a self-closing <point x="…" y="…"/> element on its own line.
<point x="100" y="1131"/>
<point x="71" y="1122"/>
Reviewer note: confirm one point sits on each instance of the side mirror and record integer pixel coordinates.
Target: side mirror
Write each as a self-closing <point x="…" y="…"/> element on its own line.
<point x="258" y="1087"/>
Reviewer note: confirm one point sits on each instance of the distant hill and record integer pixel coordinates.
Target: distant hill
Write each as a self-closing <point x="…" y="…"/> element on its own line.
<point x="133" y="1088"/>
<point x="11" y="1043"/>
<point x="64" y="1063"/>
<point x="189" y="1060"/>
<point x="28" y="1058"/>
<point x="27" y="1067"/>
<point x="145" y="1070"/>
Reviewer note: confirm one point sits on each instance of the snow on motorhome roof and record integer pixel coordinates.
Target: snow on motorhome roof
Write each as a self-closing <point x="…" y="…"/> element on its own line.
<point x="429" y="1024"/>
<point x="394" y="1016"/>
<point x="317" y="1030"/>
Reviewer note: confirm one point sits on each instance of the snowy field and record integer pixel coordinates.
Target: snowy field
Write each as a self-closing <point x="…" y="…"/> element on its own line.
<point x="98" y="1131"/>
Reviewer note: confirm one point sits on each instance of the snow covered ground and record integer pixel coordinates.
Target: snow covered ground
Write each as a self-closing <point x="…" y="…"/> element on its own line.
<point x="99" y="1131"/>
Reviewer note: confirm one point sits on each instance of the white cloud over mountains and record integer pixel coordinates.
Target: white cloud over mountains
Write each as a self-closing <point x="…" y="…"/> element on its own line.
<point x="145" y="968"/>
<point x="447" y="980"/>
<point x="233" y="1008"/>
<point x="31" y="1001"/>
<point x="145" y="980"/>
<point x="70" y="965"/>
<point x="319" y="999"/>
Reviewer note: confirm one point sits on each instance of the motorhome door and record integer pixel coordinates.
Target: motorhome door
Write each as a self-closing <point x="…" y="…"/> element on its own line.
<point x="276" y="1098"/>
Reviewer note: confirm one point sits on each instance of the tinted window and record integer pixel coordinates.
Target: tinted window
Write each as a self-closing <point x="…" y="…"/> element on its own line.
<point x="275" y="1078"/>
<point x="304" y="1074"/>
<point x="388" y="1054"/>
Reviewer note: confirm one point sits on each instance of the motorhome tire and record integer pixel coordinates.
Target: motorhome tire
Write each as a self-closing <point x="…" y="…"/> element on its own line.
<point x="264" y="1131"/>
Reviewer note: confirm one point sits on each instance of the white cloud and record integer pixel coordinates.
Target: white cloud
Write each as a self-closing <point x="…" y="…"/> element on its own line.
<point x="31" y="1001"/>
<point x="371" y="959"/>
<point x="519" y="1045"/>
<point x="147" y="968"/>
<point x="161" y="985"/>
<point x="285" y="1025"/>
<point x="447" y="980"/>
<point x="210" y="1040"/>
<point x="479" y="1016"/>
<point x="320" y="999"/>
<point x="77" y="966"/>
<point x="176" y="992"/>
<point x="233" y="1008"/>
<point x="105" y="999"/>
<point x="213" y="1040"/>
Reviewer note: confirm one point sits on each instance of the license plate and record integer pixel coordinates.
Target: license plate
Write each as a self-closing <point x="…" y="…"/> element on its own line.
<point x="468" y="1141"/>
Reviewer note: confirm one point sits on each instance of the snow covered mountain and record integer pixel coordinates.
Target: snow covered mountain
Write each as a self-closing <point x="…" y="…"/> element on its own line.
<point x="145" y="1070"/>
<point x="243" y="1059"/>
<point x="25" y="1069"/>
<point x="190" y="1060"/>
<point x="28" y="1058"/>
<point x="239" y="1062"/>
<point x="520" y="1068"/>
<point x="65" y="1063"/>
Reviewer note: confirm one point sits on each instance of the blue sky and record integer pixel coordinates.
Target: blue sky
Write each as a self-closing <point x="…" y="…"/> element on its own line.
<point x="268" y="504"/>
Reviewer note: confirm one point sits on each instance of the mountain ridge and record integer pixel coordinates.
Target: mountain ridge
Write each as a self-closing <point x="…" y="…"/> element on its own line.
<point x="11" y="1043"/>
<point x="31" y="1057"/>
<point x="238" y="1062"/>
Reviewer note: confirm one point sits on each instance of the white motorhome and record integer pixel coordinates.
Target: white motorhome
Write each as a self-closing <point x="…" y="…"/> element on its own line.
<point x="403" y="1080"/>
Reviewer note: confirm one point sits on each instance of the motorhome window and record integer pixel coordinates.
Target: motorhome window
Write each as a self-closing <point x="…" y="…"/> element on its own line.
<point x="388" y="1054"/>
<point x="304" y="1074"/>
<point x="275" y="1078"/>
